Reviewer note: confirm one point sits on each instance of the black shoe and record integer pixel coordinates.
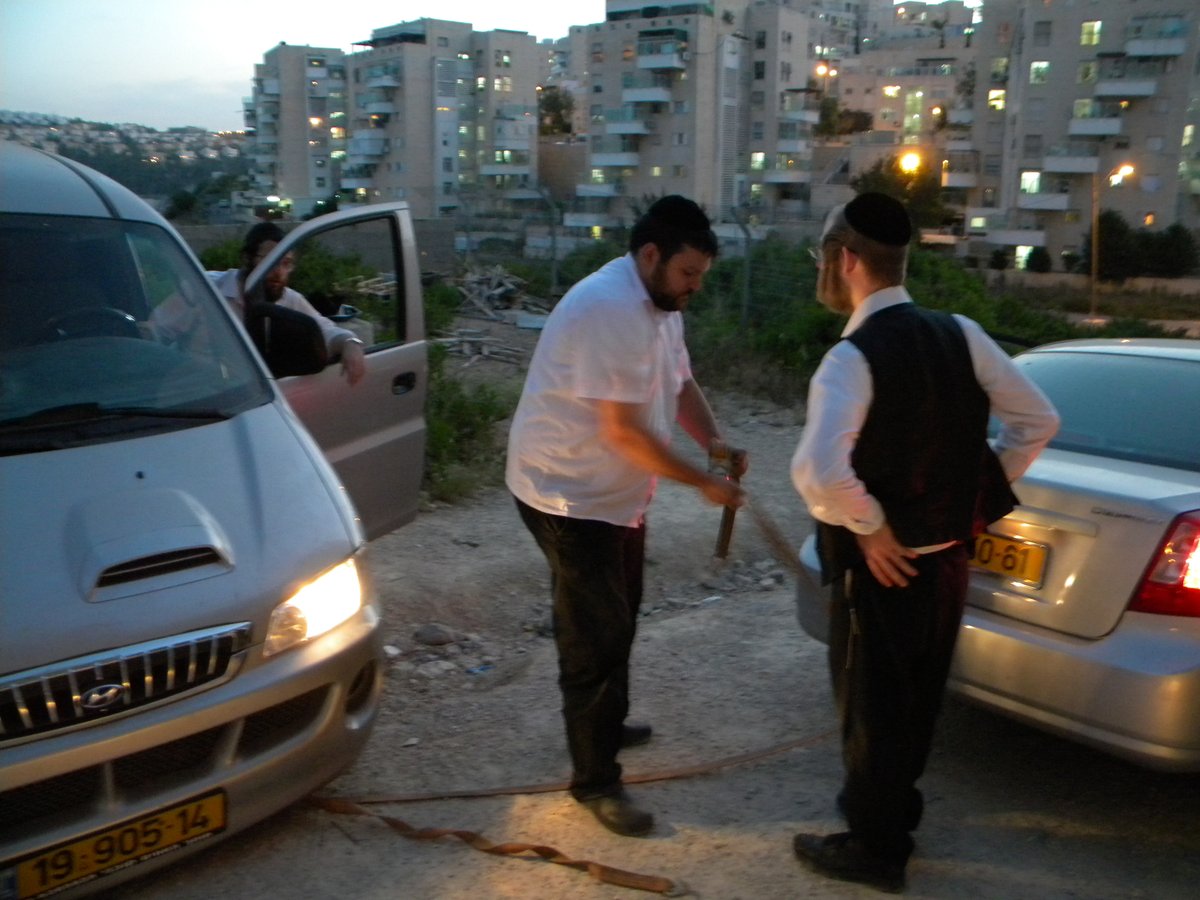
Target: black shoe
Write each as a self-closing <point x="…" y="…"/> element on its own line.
<point x="844" y="857"/>
<point x="617" y="813"/>
<point x="634" y="734"/>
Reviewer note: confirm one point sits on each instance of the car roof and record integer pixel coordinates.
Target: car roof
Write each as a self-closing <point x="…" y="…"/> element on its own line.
<point x="1160" y="348"/>
<point x="34" y="182"/>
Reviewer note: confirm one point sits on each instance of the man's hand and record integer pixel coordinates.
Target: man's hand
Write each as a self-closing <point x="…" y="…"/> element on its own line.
<point x="887" y="558"/>
<point x="722" y="491"/>
<point x="354" y="362"/>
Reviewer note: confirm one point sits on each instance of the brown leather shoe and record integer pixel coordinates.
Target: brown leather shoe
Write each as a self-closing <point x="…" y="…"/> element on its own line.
<point x="634" y="734"/>
<point x="843" y="856"/>
<point x="617" y="813"/>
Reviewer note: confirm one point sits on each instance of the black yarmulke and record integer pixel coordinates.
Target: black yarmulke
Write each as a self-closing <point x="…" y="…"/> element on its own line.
<point x="880" y="218"/>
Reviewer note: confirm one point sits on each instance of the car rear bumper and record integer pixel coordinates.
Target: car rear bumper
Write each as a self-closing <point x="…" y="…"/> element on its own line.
<point x="268" y="737"/>
<point x="1134" y="693"/>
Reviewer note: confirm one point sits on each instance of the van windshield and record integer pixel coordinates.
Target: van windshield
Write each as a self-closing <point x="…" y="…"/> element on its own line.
<point x="109" y="329"/>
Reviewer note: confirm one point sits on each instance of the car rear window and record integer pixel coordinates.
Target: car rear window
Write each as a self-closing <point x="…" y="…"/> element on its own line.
<point x="1140" y="408"/>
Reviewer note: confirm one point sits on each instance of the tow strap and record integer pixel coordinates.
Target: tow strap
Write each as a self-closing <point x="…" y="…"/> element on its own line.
<point x="656" y="884"/>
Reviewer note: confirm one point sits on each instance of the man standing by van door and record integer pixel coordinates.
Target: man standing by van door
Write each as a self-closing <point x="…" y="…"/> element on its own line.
<point x="607" y="381"/>
<point x="259" y="241"/>
<point x="895" y="466"/>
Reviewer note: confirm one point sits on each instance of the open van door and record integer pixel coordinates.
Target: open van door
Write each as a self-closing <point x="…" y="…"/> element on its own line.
<point x="359" y="268"/>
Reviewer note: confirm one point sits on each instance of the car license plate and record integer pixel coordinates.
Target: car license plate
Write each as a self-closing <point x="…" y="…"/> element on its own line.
<point x="1018" y="560"/>
<point x="120" y="846"/>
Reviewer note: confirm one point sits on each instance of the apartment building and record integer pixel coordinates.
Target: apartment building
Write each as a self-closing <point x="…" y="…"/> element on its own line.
<point x="297" y="114"/>
<point x="1066" y="94"/>
<point x="444" y="117"/>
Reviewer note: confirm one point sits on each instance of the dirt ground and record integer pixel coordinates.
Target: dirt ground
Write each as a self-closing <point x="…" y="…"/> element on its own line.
<point x="745" y="750"/>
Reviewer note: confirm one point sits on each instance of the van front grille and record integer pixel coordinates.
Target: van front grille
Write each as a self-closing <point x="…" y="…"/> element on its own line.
<point x="81" y="690"/>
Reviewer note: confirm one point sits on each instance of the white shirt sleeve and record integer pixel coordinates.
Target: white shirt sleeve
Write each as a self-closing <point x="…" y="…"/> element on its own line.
<point x="334" y="335"/>
<point x="1027" y="418"/>
<point x="839" y="396"/>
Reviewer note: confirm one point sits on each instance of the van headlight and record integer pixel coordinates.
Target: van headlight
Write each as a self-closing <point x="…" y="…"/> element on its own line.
<point x="319" y="606"/>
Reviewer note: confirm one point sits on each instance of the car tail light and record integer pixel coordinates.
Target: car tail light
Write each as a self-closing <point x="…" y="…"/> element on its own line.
<point x="1171" y="585"/>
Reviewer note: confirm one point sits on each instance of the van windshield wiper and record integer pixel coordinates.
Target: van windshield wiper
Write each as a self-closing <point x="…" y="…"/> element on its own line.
<point x="76" y="413"/>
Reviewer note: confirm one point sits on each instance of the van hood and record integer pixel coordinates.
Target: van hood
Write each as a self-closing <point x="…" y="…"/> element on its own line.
<point x="121" y="542"/>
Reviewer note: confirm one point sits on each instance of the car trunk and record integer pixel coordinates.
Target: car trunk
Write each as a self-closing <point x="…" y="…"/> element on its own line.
<point x="1100" y="521"/>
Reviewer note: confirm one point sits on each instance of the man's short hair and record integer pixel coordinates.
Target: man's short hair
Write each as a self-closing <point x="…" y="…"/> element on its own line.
<point x="262" y="233"/>
<point x="671" y="223"/>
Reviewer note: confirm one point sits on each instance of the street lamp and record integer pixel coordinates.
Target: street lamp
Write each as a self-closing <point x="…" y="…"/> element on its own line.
<point x="909" y="163"/>
<point x="825" y="71"/>
<point x="1115" y="176"/>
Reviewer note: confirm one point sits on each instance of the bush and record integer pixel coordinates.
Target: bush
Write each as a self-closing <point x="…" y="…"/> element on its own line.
<point x="1039" y="260"/>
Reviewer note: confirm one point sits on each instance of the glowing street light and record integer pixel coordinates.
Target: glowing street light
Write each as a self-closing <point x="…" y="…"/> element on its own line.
<point x="909" y="163"/>
<point x="1114" y="177"/>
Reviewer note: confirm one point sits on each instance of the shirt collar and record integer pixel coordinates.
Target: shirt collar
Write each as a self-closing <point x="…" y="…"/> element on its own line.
<point x="882" y="299"/>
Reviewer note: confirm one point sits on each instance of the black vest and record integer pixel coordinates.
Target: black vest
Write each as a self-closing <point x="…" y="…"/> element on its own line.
<point x="922" y="451"/>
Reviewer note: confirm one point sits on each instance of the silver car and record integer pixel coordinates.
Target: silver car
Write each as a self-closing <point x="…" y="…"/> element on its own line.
<point x="1083" y="613"/>
<point x="189" y="635"/>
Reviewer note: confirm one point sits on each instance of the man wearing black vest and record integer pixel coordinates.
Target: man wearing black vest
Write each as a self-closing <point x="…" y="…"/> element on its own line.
<point x="895" y="466"/>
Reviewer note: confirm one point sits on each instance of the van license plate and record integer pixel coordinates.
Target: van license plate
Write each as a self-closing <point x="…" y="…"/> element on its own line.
<point x="1017" y="560"/>
<point x="120" y="846"/>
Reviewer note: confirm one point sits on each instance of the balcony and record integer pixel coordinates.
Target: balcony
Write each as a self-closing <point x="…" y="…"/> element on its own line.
<point x="492" y="169"/>
<point x="612" y="188"/>
<point x="521" y="194"/>
<point x="368" y="143"/>
<point x="354" y="183"/>
<point x="960" y="117"/>
<point x="1016" y="237"/>
<point x="796" y="107"/>
<point x="654" y="89"/>
<point x="1069" y="163"/>
<point x="379" y="107"/>
<point x="792" y="145"/>
<point x="1054" y="201"/>
<point x="959" y="179"/>
<point x="1095" y="126"/>
<point x="1143" y="47"/>
<point x="624" y="160"/>
<point x="959" y="145"/>
<point x="1126" y="88"/>
<point x="799" y="172"/>
<point x="383" y="80"/>
<point x="589" y="220"/>
<point x="677" y="60"/>
<point x="626" y="121"/>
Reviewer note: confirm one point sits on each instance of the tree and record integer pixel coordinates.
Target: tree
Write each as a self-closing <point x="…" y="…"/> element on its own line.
<point x="1038" y="260"/>
<point x="1170" y="253"/>
<point x="1119" y="256"/>
<point x="555" y="108"/>
<point x="920" y="190"/>
<point x="998" y="260"/>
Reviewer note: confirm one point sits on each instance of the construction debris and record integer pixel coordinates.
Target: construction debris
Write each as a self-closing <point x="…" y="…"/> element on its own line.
<point x="488" y="290"/>
<point x="477" y="345"/>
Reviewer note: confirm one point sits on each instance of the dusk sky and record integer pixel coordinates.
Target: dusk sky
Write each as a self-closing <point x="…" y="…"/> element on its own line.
<point x="185" y="62"/>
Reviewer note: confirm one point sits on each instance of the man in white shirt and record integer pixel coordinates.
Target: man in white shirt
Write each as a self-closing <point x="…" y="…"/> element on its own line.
<point x="608" y="380"/>
<point x="895" y="466"/>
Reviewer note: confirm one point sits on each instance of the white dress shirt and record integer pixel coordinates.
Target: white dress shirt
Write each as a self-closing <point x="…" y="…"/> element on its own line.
<point x="840" y="394"/>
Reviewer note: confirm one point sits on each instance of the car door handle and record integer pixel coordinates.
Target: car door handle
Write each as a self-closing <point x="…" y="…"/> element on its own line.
<point x="404" y="383"/>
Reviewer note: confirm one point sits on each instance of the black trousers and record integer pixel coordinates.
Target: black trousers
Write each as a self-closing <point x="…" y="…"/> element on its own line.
<point x="889" y="656"/>
<point x="596" y="585"/>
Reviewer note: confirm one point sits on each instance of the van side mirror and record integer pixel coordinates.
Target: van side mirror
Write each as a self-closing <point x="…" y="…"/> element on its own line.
<point x="290" y="342"/>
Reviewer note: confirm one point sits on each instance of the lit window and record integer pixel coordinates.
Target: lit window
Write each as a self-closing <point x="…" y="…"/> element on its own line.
<point x="995" y="100"/>
<point x="891" y="90"/>
<point x="1147" y="219"/>
<point x="1031" y="182"/>
<point x="1039" y="72"/>
<point x="1089" y="34"/>
<point x="656" y="171"/>
<point x="758" y="161"/>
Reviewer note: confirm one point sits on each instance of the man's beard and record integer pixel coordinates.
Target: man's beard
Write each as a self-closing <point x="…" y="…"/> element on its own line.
<point x="659" y="296"/>
<point x="833" y="292"/>
<point x="273" y="290"/>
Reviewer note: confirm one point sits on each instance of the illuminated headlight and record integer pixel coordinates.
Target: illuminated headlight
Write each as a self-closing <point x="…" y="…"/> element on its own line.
<point x="324" y="603"/>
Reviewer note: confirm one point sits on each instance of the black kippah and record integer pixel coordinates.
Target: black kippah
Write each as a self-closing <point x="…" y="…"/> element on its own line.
<point x="880" y="218"/>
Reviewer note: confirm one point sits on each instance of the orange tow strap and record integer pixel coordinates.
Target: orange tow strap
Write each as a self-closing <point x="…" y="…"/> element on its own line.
<point x="606" y="874"/>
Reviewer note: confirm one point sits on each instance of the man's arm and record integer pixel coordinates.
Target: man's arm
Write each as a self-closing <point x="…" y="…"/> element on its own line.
<point x="696" y="417"/>
<point x="1028" y="419"/>
<point x="338" y="341"/>
<point x="622" y="430"/>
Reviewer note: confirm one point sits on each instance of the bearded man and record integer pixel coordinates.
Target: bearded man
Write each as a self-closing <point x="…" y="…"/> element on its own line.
<point x="591" y="435"/>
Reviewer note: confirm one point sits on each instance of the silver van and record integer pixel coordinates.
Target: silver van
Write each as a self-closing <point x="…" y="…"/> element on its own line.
<point x="189" y="639"/>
